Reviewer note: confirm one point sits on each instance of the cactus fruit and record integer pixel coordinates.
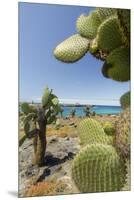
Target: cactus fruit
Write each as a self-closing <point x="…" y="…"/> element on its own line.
<point x="122" y="138"/>
<point x="72" y="49"/>
<point x="87" y="25"/>
<point x="125" y="100"/>
<point x="90" y="131"/>
<point x="98" y="168"/>
<point x="120" y="64"/>
<point x="109" y="35"/>
<point x="109" y="128"/>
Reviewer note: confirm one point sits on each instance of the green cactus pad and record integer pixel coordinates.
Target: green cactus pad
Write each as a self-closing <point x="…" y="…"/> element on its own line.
<point x="90" y="131"/>
<point x="87" y="25"/>
<point x="123" y="135"/>
<point x="46" y="96"/>
<point x="72" y="49"/>
<point x="109" y="35"/>
<point x="105" y="13"/>
<point x="98" y="168"/>
<point x="26" y="108"/>
<point x="119" y="59"/>
<point x="125" y="100"/>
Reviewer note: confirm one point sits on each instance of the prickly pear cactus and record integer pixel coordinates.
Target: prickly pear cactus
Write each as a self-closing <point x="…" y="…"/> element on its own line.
<point x="125" y="100"/>
<point x="90" y="131"/>
<point x="98" y="168"/>
<point x="122" y="139"/>
<point x="105" y="33"/>
<point x="72" y="49"/>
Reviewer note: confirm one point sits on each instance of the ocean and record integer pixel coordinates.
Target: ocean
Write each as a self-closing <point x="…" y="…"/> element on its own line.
<point x="103" y="110"/>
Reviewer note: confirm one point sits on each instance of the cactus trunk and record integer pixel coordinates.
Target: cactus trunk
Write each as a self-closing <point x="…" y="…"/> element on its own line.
<point x="40" y="143"/>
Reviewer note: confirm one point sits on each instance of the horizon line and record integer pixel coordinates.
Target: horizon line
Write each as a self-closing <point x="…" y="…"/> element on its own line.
<point x="80" y="101"/>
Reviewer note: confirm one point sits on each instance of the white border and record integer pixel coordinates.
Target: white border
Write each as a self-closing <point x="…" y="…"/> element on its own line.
<point x="9" y="97"/>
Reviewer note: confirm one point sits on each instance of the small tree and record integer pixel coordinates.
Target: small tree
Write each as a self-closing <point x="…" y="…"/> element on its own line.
<point x="87" y="111"/>
<point x="72" y="112"/>
<point x="36" y="119"/>
<point x="61" y="112"/>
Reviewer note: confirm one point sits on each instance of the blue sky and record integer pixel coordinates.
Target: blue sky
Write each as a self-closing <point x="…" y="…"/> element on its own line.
<point x="41" y="28"/>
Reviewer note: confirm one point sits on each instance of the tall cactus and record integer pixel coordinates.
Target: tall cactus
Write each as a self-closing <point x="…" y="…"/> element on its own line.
<point x="98" y="168"/>
<point x="35" y="122"/>
<point x="90" y="131"/>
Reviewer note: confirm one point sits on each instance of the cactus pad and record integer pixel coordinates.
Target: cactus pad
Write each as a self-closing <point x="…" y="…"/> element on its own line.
<point x="46" y="96"/>
<point x="87" y="25"/>
<point x="98" y="168"/>
<point x="109" y="34"/>
<point x="72" y="49"/>
<point x="125" y="100"/>
<point x="120" y="64"/>
<point x="90" y="131"/>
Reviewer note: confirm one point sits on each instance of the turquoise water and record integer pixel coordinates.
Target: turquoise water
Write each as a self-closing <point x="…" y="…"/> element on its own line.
<point x="98" y="109"/>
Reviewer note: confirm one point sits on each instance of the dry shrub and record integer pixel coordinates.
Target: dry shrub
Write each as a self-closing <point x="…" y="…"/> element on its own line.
<point x="41" y="188"/>
<point x="46" y="188"/>
<point x="62" y="134"/>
